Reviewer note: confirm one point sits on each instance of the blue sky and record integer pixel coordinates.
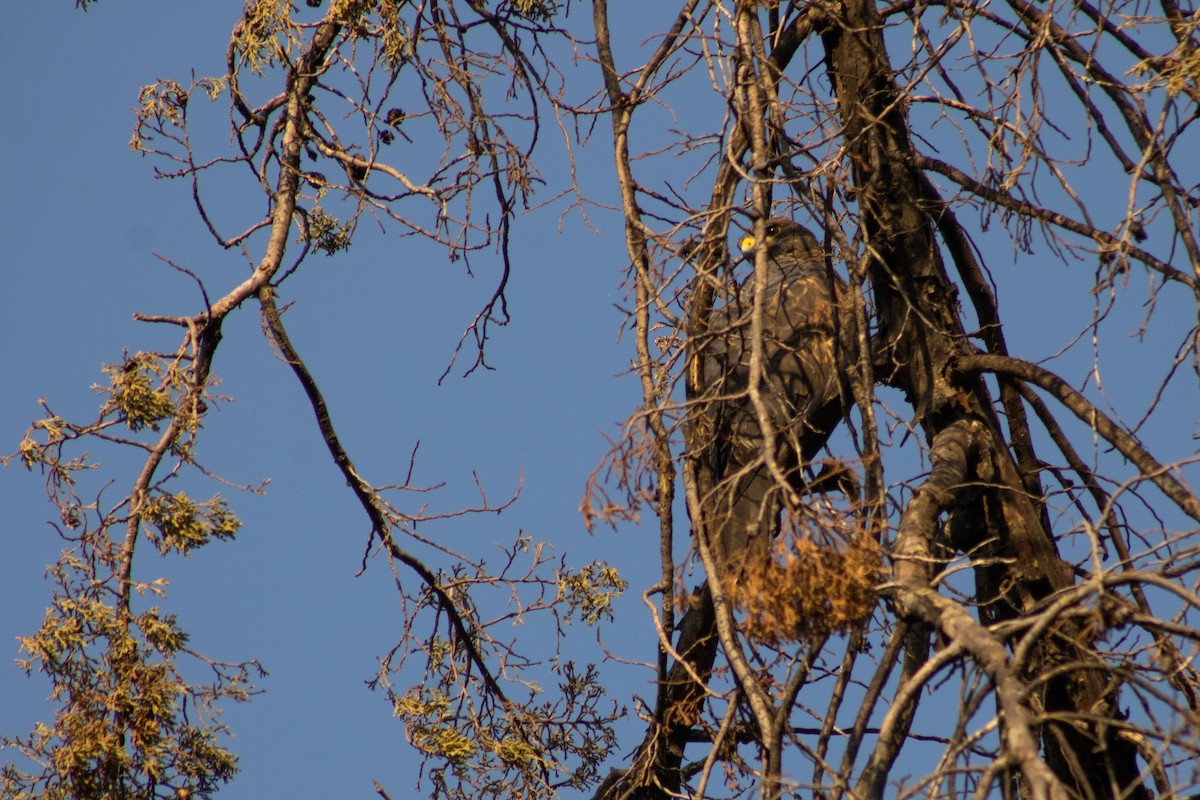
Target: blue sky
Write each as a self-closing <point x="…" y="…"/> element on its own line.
<point x="82" y="221"/>
<point x="83" y="218"/>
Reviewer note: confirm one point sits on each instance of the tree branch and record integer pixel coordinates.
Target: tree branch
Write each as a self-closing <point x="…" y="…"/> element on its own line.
<point x="1091" y="416"/>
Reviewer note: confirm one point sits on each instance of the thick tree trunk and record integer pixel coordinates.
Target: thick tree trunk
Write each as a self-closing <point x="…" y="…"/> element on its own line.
<point x="919" y="321"/>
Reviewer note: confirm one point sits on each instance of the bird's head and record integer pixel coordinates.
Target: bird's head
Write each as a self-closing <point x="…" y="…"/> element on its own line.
<point x="785" y="241"/>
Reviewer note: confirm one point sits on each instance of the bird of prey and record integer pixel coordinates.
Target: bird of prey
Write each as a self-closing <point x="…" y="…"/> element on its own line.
<point x="800" y="389"/>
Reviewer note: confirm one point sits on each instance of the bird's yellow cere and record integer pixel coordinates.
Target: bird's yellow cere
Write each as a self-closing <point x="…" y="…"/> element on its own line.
<point x="746" y="243"/>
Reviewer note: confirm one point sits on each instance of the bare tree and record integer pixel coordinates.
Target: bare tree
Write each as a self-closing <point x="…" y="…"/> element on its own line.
<point x="1077" y="631"/>
<point x="986" y="585"/>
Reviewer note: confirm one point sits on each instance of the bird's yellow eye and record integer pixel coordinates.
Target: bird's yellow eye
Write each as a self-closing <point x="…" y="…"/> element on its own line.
<point x="746" y="243"/>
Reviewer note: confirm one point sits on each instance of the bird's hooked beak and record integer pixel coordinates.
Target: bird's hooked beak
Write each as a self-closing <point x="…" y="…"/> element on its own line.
<point x="748" y="246"/>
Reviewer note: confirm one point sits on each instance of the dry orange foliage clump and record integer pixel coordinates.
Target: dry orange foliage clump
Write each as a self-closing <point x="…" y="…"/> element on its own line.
<point x="808" y="588"/>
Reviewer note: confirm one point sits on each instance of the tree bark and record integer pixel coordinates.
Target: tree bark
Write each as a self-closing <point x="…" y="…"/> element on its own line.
<point x="995" y="521"/>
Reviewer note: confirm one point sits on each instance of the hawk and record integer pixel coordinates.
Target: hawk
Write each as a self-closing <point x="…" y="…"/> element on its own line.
<point x="801" y="389"/>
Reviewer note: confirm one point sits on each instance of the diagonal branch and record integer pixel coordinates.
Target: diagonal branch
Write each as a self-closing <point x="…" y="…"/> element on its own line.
<point x="1077" y="404"/>
<point x="954" y="450"/>
<point x="366" y="494"/>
